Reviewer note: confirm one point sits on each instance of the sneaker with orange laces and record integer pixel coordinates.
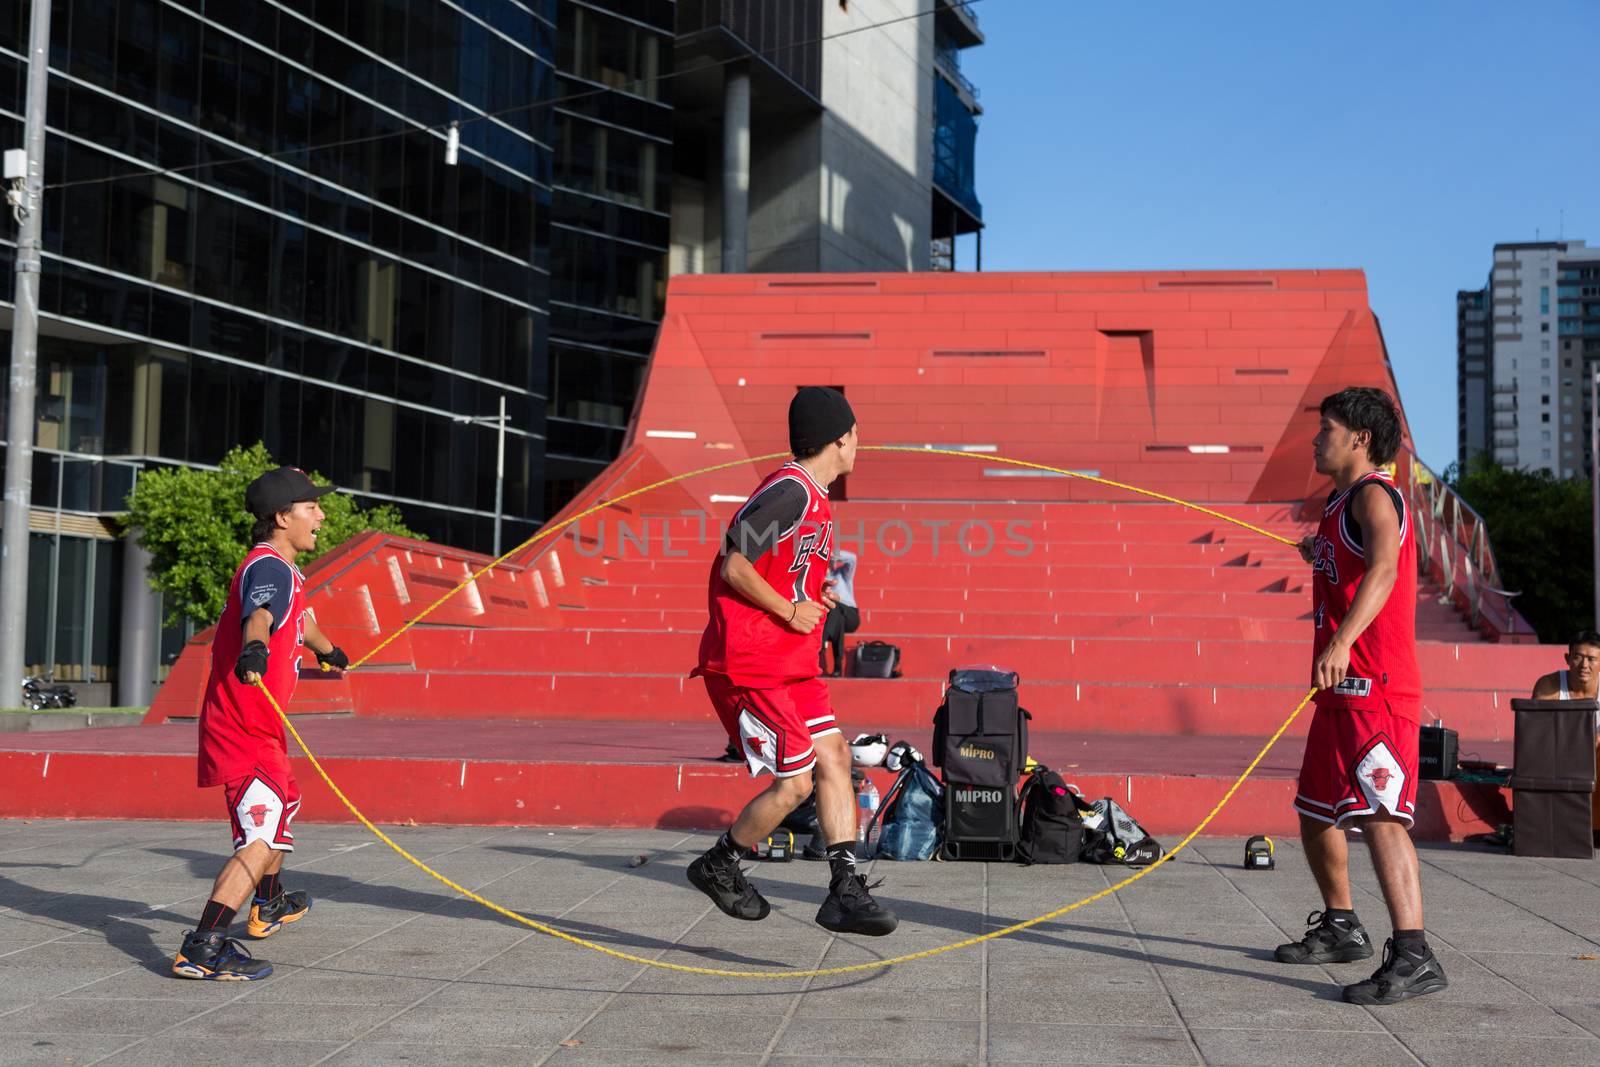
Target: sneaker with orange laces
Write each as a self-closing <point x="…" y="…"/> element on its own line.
<point x="267" y="918"/>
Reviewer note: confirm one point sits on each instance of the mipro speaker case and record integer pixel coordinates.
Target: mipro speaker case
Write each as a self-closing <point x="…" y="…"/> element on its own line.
<point x="980" y="745"/>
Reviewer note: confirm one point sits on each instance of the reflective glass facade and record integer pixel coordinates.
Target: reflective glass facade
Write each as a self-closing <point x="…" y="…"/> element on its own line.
<point x="612" y="130"/>
<point x="251" y="233"/>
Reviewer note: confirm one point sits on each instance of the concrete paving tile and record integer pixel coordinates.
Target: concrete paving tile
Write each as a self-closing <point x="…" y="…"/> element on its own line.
<point x="922" y="1060"/>
<point x="1294" y="1048"/>
<point x="1585" y="1014"/>
<point x="54" y="1050"/>
<point x="586" y="1056"/>
<point x="1099" y="1044"/>
<point x="133" y="1018"/>
<point x="891" y="1005"/>
<point x="338" y="988"/>
<point x="175" y="1049"/>
<point x="816" y="1036"/>
<point x="483" y="990"/>
<point x="302" y="1022"/>
<point x="733" y="999"/>
<point x="469" y="1024"/>
<point x="1426" y="1015"/>
<point x="1196" y="951"/>
<point x="1482" y="1051"/>
<point x="680" y="1032"/>
<point x="1009" y="1005"/>
<point x="1547" y="974"/>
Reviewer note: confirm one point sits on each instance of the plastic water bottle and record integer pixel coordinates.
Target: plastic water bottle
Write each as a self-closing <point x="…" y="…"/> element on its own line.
<point x="866" y="810"/>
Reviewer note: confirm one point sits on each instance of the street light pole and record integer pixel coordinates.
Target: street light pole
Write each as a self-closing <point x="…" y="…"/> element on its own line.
<point x="24" y="367"/>
<point x="1594" y="481"/>
<point x="500" y="476"/>
<point x="499" y="463"/>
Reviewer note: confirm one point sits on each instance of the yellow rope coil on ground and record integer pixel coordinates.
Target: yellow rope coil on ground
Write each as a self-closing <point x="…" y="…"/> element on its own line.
<point x="819" y="972"/>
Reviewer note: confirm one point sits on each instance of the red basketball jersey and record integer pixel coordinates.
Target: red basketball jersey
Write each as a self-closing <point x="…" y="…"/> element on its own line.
<point x="236" y="721"/>
<point x="1383" y="671"/>
<point x="745" y="642"/>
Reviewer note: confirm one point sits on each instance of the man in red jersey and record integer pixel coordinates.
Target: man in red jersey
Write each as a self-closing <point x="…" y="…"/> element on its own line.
<point x="759" y="657"/>
<point x="1360" y="767"/>
<point x="242" y="743"/>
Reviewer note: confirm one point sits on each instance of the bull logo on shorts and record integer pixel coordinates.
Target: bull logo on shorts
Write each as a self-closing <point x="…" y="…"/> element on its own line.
<point x="755" y="744"/>
<point x="258" y="815"/>
<point x="1380" y="778"/>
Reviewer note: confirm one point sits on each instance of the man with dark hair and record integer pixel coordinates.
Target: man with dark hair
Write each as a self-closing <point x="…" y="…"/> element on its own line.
<point x="759" y="658"/>
<point x="242" y="743"/>
<point x="1580" y="681"/>
<point x="1360" y="766"/>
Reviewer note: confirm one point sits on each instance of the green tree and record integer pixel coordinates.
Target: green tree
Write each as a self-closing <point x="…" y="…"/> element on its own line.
<point x="193" y="524"/>
<point x="1540" y="529"/>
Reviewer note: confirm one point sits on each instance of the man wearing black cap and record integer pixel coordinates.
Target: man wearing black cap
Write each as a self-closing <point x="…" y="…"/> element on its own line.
<point x="759" y="657"/>
<point x="242" y="743"/>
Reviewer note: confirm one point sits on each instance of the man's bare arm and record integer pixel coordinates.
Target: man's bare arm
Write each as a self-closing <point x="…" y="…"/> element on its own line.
<point x="1547" y="687"/>
<point x="741" y="574"/>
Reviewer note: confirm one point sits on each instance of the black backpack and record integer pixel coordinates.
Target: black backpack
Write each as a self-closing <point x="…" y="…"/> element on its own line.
<point x="1052" y="819"/>
<point x="875" y="659"/>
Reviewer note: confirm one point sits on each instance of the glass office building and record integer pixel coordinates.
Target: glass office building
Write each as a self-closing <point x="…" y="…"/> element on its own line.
<point x="252" y="233"/>
<point x="611" y="222"/>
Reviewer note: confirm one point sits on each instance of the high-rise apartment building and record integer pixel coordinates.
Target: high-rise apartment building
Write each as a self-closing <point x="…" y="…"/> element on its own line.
<point x="1527" y="345"/>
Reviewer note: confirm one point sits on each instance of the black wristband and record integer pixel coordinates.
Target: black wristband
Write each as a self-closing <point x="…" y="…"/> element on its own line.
<point x="334" y="658"/>
<point x="252" y="658"/>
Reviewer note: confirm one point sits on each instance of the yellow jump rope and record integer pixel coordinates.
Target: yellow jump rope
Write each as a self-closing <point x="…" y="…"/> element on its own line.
<point x="820" y="972"/>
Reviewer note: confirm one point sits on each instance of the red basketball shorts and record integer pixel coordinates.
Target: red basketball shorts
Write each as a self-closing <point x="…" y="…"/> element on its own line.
<point x="261" y="806"/>
<point x="1358" y="763"/>
<point x="774" y="728"/>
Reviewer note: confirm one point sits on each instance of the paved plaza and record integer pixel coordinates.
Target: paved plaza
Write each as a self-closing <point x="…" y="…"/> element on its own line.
<point x="390" y="967"/>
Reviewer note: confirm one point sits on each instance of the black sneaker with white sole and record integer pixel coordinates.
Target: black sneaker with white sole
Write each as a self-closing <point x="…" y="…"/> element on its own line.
<point x="850" y="909"/>
<point x="1403" y="975"/>
<point x="724" y="882"/>
<point x="213" y="956"/>
<point x="1328" y="940"/>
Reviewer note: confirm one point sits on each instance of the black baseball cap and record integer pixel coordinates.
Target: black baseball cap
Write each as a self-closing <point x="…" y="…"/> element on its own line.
<point x="279" y="490"/>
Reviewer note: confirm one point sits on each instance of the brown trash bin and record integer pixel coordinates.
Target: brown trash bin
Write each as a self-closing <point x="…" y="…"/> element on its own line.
<point x="1553" y="778"/>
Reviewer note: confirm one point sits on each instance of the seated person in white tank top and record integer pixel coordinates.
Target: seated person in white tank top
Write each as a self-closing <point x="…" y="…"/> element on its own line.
<point x="1581" y="679"/>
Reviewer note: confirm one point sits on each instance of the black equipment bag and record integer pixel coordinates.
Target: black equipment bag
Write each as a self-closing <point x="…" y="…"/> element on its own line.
<point x="1051" y="819"/>
<point x="1553" y="782"/>
<point x="875" y="659"/>
<point x="980" y="743"/>
<point x="980" y="732"/>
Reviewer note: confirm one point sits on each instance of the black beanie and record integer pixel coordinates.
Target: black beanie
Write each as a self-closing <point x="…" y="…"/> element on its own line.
<point x="818" y="416"/>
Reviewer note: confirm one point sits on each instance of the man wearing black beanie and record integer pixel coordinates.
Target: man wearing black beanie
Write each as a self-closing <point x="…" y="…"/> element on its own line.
<point x="759" y="656"/>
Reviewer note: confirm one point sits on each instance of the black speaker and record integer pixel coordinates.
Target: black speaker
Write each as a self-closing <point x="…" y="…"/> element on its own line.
<point x="980" y="822"/>
<point x="1438" y="753"/>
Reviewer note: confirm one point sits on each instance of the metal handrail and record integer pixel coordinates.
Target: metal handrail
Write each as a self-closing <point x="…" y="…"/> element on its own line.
<point x="1453" y="548"/>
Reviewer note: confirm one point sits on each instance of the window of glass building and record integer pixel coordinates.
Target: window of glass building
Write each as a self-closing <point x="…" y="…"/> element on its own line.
<point x="611" y="51"/>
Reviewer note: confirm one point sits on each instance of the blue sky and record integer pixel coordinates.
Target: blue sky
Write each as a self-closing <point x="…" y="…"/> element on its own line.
<point x="1403" y="139"/>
